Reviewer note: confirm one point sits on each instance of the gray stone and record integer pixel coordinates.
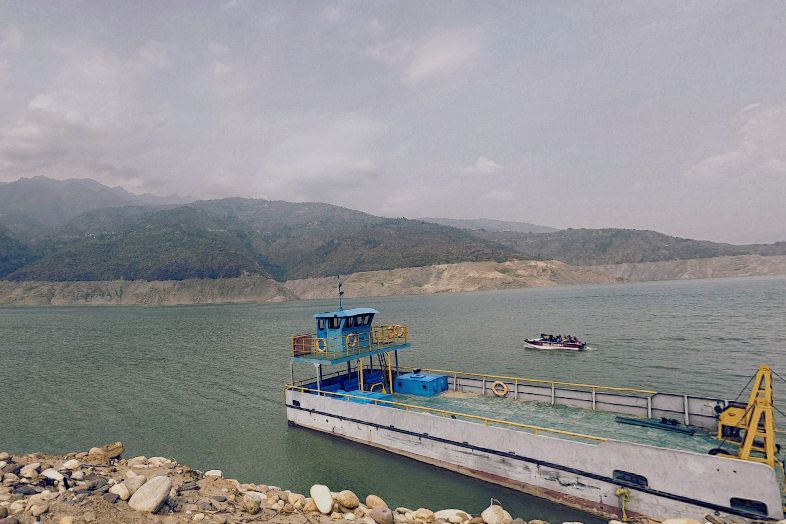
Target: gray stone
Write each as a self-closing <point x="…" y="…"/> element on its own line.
<point x="348" y="499"/>
<point x="381" y="515"/>
<point x="151" y="495"/>
<point x="72" y="464"/>
<point x="52" y="474"/>
<point x="496" y="515"/>
<point x="322" y="498"/>
<point x="111" y="497"/>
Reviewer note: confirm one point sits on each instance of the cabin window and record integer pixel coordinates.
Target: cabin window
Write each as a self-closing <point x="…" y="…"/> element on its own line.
<point x="750" y="506"/>
<point x="334" y="323"/>
<point x="369" y="318"/>
<point x="350" y="322"/>
<point x="632" y="479"/>
<point x="321" y="324"/>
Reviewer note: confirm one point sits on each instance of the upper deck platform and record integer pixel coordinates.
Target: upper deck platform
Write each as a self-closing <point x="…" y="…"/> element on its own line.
<point x="311" y="347"/>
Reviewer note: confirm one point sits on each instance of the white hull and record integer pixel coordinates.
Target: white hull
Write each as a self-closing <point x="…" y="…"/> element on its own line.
<point x="570" y="472"/>
<point x="554" y="346"/>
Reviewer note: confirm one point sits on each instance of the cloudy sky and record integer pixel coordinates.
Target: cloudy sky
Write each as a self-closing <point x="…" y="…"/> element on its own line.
<point x="659" y="115"/>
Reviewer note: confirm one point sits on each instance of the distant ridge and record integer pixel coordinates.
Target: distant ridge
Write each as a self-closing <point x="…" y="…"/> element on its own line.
<point x="490" y="224"/>
<point x="81" y="230"/>
<point x="30" y="205"/>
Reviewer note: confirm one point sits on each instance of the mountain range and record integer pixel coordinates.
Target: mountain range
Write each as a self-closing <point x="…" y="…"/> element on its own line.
<point x="81" y="230"/>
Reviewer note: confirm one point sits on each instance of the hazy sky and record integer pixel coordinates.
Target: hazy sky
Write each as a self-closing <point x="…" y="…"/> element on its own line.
<point x="657" y="115"/>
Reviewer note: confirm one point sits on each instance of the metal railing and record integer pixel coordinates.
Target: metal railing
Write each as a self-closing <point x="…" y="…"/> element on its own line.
<point x="328" y="348"/>
<point x="453" y="414"/>
<point x="522" y="380"/>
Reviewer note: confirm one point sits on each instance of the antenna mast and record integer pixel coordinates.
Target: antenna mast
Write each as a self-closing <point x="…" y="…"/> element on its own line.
<point x="340" y="293"/>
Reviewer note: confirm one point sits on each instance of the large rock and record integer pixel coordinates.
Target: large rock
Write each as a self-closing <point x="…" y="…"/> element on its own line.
<point x="215" y="473"/>
<point x="496" y="515"/>
<point x="250" y="504"/>
<point x="381" y="515"/>
<point x="114" y="450"/>
<point x="97" y="455"/>
<point x="121" y="490"/>
<point x="448" y="514"/>
<point x="149" y="497"/>
<point x="72" y="464"/>
<point x="347" y="499"/>
<point x="52" y="474"/>
<point x="373" y="501"/>
<point x="134" y="483"/>
<point x="426" y="515"/>
<point x="30" y="471"/>
<point x="4" y="455"/>
<point x="322" y="498"/>
<point x="310" y="506"/>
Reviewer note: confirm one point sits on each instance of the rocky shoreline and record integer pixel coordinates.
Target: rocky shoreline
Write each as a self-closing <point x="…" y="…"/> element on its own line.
<point x="99" y="486"/>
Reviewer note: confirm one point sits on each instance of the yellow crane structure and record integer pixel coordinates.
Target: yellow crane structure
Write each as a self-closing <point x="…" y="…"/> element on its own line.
<point x="752" y="428"/>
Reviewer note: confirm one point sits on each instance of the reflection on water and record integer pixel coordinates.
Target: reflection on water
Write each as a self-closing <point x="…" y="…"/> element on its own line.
<point x="203" y="384"/>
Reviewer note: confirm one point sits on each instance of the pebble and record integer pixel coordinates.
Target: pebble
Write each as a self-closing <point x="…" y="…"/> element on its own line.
<point x="198" y="516"/>
<point x="78" y="475"/>
<point x="9" y="520"/>
<point x="151" y="495"/>
<point x="322" y="498"/>
<point x="214" y="473"/>
<point x="4" y="455"/>
<point x="68" y="519"/>
<point x="111" y="497"/>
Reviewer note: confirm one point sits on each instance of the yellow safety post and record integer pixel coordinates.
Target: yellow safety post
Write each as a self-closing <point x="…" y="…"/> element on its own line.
<point x="390" y="372"/>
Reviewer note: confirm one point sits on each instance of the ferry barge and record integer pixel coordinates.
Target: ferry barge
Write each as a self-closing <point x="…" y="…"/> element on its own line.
<point x="727" y="467"/>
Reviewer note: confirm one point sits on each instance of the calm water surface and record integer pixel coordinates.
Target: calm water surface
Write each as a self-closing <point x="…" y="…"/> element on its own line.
<point x="203" y="384"/>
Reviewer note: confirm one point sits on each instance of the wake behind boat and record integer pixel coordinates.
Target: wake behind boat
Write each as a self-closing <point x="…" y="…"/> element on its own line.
<point x="567" y="342"/>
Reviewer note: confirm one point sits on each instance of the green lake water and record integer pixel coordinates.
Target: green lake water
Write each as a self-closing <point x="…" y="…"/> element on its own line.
<point x="203" y="384"/>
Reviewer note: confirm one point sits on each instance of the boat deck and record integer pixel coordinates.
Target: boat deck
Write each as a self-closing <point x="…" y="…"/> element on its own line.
<point x="565" y="418"/>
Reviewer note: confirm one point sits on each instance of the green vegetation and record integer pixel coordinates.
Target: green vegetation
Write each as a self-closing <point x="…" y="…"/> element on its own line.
<point x="226" y="238"/>
<point x="616" y="246"/>
<point x="55" y="233"/>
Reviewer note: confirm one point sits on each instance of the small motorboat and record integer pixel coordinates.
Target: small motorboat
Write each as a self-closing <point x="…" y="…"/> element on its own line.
<point x="549" y="342"/>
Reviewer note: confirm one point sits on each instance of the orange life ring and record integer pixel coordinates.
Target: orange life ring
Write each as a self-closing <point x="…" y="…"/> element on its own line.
<point x="499" y="388"/>
<point x="399" y="331"/>
<point x="320" y="345"/>
<point x="352" y="340"/>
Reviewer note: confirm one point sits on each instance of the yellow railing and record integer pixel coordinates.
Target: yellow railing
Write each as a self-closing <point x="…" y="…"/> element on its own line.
<point x="521" y="380"/>
<point x="328" y="348"/>
<point x="454" y="414"/>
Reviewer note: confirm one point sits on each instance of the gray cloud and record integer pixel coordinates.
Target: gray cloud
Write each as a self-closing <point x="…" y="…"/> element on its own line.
<point x="666" y="116"/>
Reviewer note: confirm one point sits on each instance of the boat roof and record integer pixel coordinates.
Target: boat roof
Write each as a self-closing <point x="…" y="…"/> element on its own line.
<point x="346" y="312"/>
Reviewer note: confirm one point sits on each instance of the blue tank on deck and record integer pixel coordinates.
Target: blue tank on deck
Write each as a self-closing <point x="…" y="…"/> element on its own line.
<point x="421" y="384"/>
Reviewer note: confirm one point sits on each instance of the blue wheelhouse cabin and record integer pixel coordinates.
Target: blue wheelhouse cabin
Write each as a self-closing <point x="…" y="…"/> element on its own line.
<point x="367" y="354"/>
